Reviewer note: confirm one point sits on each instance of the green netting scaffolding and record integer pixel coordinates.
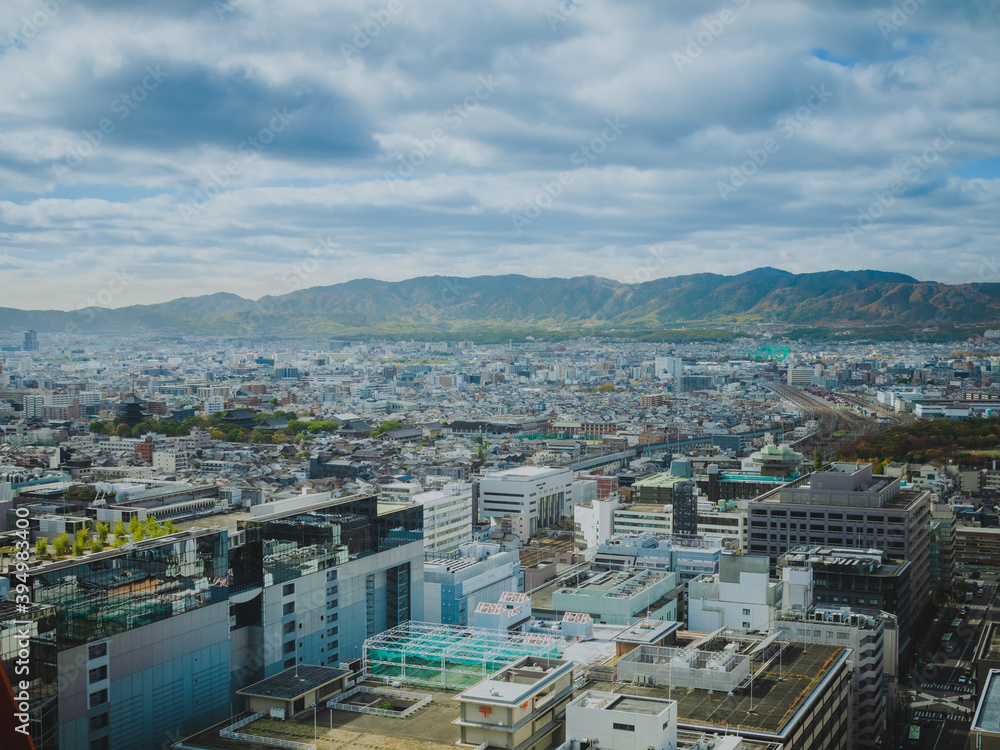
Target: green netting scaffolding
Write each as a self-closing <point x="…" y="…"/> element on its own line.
<point x="449" y="657"/>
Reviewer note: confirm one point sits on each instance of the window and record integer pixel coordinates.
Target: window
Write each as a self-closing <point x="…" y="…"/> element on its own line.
<point x="99" y="744"/>
<point x="288" y="627"/>
<point x="97" y="650"/>
<point x="746" y="625"/>
<point x="288" y="589"/>
<point x="288" y="608"/>
<point x="288" y="647"/>
<point x="98" y="722"/>
<point x="746" y="612"/>
<point x="624" y="727"/>
<point x="99" y="698"/>
<point x="98" y="673"/>
<point x="289" y="663"/>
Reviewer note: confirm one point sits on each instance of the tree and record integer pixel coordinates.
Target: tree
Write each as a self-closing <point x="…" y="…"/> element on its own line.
<point x="78" y="548"/>
<point x="817" y="460"/>
<point x="123" y="430"/>
<point x="297" y="425"/>
<point x="61" y="544"/>
<point x="151" y="527"/>
<point x="96" y="545"/>
<point x="236" y="435"/>
<point x="96" y="427"/>
<point x="119" y="529"/>
<point x="81" y="494"/>
<point x="102" y="532"/>
<point x="605" y="388"/>
<point x="301" y="437"/>
<point x="81" y="537"/>
<point x="169" y="527"/>
<point x="41" y="546"/>
<point x="217" y="434"/>
<point x="259" y="438"/>
<point x="389" y="424"/>
<point x="133" y="526"/>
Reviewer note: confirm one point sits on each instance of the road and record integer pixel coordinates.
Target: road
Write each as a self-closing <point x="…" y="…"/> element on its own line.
<point x="941" y="703"/>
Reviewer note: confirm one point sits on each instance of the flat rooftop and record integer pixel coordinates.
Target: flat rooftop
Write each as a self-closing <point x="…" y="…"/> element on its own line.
<point x="987" y="717"/>
<point x="637" y="705"/>
<point x="294" y="681"/>
<point x="774" y="703"/>
<point x="429" y="728"/>
<point x="647" y="631"/>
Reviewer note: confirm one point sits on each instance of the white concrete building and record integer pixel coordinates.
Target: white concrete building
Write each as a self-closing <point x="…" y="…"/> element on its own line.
<point x="594" y="522"/>
<point x="537" y="493"/>
<point x="447" y="516"/>
<point x="617" y="721"/>
<point x="741" y="596"/>
<point x="399" y="492"/>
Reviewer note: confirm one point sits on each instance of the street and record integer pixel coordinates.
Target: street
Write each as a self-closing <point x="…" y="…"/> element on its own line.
<point x="943" y="695"/>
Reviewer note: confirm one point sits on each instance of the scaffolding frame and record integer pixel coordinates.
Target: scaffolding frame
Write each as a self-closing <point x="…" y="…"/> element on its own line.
<point x="449" y="657"/>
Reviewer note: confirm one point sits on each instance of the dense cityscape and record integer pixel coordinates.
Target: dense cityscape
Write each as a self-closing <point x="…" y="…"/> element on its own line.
<point x="371" y="543"/>
<point x="499" y="375"/>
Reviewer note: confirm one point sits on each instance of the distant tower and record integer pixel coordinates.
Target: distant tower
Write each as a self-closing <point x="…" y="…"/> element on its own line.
<point x="132" y="410"/>
<point x="30" y="341"/>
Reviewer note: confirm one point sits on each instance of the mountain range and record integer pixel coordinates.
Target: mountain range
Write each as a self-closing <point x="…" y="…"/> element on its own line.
<point x="439" y="304"/>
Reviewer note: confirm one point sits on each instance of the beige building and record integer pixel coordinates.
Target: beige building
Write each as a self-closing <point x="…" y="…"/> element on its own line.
<point x="519" y="707"/>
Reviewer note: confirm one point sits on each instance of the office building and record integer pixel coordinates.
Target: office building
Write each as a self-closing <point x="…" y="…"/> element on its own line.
<point x="844" y="506"/>
<point x="619" y="598"/>
<point x="763" y="688"/>
<point x="454" y="586"/>
<point x="536" y="494"/>
<point x="741" y="596"/>
<point x="867" y="581"/>
<point x="30" y="341"/>
<point x="155" y="639"/>
<point x="447" y="516"/>
<point x="688" y="556"/>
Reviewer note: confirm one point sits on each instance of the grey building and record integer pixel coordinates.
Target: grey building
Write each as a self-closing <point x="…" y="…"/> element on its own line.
<point x="151" y="641"/>
<point x="845" y="506"/>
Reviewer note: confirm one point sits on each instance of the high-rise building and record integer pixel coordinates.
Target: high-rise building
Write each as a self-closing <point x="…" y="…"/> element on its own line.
<point x="30" y="341"/>
<point x="845" y="506"/>
<point x="151" y="641"/>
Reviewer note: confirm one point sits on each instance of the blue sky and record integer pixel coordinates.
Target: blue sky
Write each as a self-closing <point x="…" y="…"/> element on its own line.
<point x="256" y="147"/>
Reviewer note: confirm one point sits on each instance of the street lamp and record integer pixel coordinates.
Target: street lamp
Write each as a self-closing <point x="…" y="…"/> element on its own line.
<point x="314" y="723"/>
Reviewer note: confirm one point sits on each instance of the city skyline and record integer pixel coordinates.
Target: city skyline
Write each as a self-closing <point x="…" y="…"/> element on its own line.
<point x="203" y="147"/>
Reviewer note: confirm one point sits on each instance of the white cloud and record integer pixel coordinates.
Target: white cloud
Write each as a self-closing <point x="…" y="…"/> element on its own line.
<point x="377" y="92"/>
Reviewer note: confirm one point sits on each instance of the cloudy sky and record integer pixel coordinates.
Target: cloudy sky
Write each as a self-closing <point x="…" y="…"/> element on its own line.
<point x="152" y="150"/>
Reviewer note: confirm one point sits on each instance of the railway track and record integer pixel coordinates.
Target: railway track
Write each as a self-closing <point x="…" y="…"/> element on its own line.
<point x="831" y="421"/>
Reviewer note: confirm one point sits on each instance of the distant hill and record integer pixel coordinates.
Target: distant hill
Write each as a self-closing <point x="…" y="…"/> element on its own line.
<point x="512" y="302"/>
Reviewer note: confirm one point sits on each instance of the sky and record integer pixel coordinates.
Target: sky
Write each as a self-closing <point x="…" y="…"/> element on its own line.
<point x="156" y="150"/>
